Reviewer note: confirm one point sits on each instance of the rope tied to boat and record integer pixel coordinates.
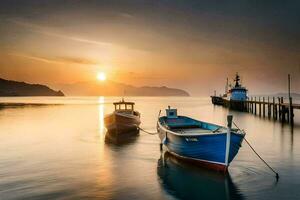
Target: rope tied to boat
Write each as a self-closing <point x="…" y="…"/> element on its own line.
<point x="150" y="133"/>
<point x="276" y="174"/>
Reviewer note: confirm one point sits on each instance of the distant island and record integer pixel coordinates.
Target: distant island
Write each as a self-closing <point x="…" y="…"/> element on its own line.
<point x="111" y="88"/>
<point x="107" y="88"/>
<point x="15" y="88"/>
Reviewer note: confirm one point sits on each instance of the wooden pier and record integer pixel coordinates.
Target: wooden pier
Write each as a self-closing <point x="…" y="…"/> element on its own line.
<point x="270" y="107"/>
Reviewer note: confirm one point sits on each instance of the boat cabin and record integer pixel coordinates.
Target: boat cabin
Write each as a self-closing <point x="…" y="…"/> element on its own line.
<point x="238" y="92"/>
<point x="171" y="113"/>
<point x="123" y="106"/>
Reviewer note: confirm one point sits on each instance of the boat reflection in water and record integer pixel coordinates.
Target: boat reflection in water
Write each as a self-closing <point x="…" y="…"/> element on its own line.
<point x="113" y="137"/>
<point x="185" y="181"/>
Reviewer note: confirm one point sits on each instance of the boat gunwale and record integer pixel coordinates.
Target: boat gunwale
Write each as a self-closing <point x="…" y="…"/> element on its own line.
<point x="197" y="134"/>
<point x="125" y="115"/>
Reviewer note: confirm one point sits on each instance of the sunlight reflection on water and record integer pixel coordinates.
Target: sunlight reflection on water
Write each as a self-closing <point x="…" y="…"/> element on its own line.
<point x="59" y="152"/>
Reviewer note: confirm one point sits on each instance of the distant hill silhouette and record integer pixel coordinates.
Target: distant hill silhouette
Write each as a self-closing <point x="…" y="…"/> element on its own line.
<point x="293" y="94"/>
<point x="111" y="88"/>
<point x="15" y="88"/>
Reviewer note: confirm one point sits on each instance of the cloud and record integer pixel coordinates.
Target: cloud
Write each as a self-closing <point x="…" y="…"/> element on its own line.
<point x="36" y="58"/>
<point x="45" y="31"/>
<point x="78" y="39"/>
<point x="126" y="15"/>
<point x="57" y="60"/>
<point x="72" y="60"/>
<point x="135" y="75"/>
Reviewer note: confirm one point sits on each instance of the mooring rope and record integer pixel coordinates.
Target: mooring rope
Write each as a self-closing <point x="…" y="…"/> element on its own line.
<point x="277" y="175"/>
<point x="150" y="133"/>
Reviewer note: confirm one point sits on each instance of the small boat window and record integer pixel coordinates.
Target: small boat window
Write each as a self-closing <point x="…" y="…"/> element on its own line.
<point x="124" y="106"/>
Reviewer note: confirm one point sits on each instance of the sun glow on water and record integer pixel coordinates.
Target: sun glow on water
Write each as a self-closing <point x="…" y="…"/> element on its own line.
<point x="101" y="115"/>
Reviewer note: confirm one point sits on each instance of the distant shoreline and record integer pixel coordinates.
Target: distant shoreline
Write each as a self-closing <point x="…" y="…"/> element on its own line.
<point x="9" y="88"/>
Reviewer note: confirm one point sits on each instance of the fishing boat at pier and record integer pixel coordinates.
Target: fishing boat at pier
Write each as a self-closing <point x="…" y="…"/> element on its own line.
<point x="207" y="144"/>
<point x="124" y="119"/>
<point x="234" y="98"/>
<point x="238" y="92"/>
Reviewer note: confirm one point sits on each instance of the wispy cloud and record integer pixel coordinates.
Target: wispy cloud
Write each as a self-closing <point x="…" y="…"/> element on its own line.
<point x="46" y="31"/>
<point x="126" y="15"/>
<point x="57" y="60"/>
<point x="135" y="75"/>
<point x="78" y="39"/>
<point x="73" y="60"/>
<point x="36" y="58"/>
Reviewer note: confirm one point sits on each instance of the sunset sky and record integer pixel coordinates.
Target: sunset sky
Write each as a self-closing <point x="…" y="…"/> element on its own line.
<point x="192" y="45"/>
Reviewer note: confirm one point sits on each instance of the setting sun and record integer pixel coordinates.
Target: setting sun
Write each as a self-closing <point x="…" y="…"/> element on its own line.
<point x="101" y="76"/>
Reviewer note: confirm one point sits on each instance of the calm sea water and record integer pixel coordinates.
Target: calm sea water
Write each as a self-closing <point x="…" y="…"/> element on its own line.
<point x="59" y="152"/>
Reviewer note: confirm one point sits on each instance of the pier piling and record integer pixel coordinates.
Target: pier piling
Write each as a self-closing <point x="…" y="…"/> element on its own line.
<point x="269" y="108"/>
<point x="255" y="105"/>
<point x="279" y="110"/>
<point x="251" y="105"/>
<point x="291" y="109"/>
<point x="283" y="110"/>
<point x="259" y="104"/>
<point x="264" y="108"/>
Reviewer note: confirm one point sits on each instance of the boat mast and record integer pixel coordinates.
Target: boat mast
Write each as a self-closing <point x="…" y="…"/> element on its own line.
<point x="237" y="79"/>
<point x="226" y="86"/>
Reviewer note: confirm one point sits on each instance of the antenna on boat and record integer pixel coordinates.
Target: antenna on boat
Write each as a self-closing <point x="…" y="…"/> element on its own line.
<point x="237" y="80"/>
<point x="226" y="86"/>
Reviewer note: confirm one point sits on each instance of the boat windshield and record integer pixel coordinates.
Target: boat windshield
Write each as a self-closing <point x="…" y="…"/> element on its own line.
<point x="124" y="106"/>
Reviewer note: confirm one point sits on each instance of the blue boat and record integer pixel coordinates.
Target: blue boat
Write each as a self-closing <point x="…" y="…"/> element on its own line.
<point x="210" y="145"/>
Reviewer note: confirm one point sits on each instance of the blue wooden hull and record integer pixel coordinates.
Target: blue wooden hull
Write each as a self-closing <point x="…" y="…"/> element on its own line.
<point x="207" y="148"/>
<point x="210" y="148"/>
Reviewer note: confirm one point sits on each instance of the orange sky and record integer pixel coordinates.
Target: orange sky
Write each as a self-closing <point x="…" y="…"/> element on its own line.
<point x="192" y="47"/>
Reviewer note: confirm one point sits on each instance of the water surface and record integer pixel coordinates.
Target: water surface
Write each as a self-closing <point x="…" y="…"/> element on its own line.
<point x="59" y="151"/>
